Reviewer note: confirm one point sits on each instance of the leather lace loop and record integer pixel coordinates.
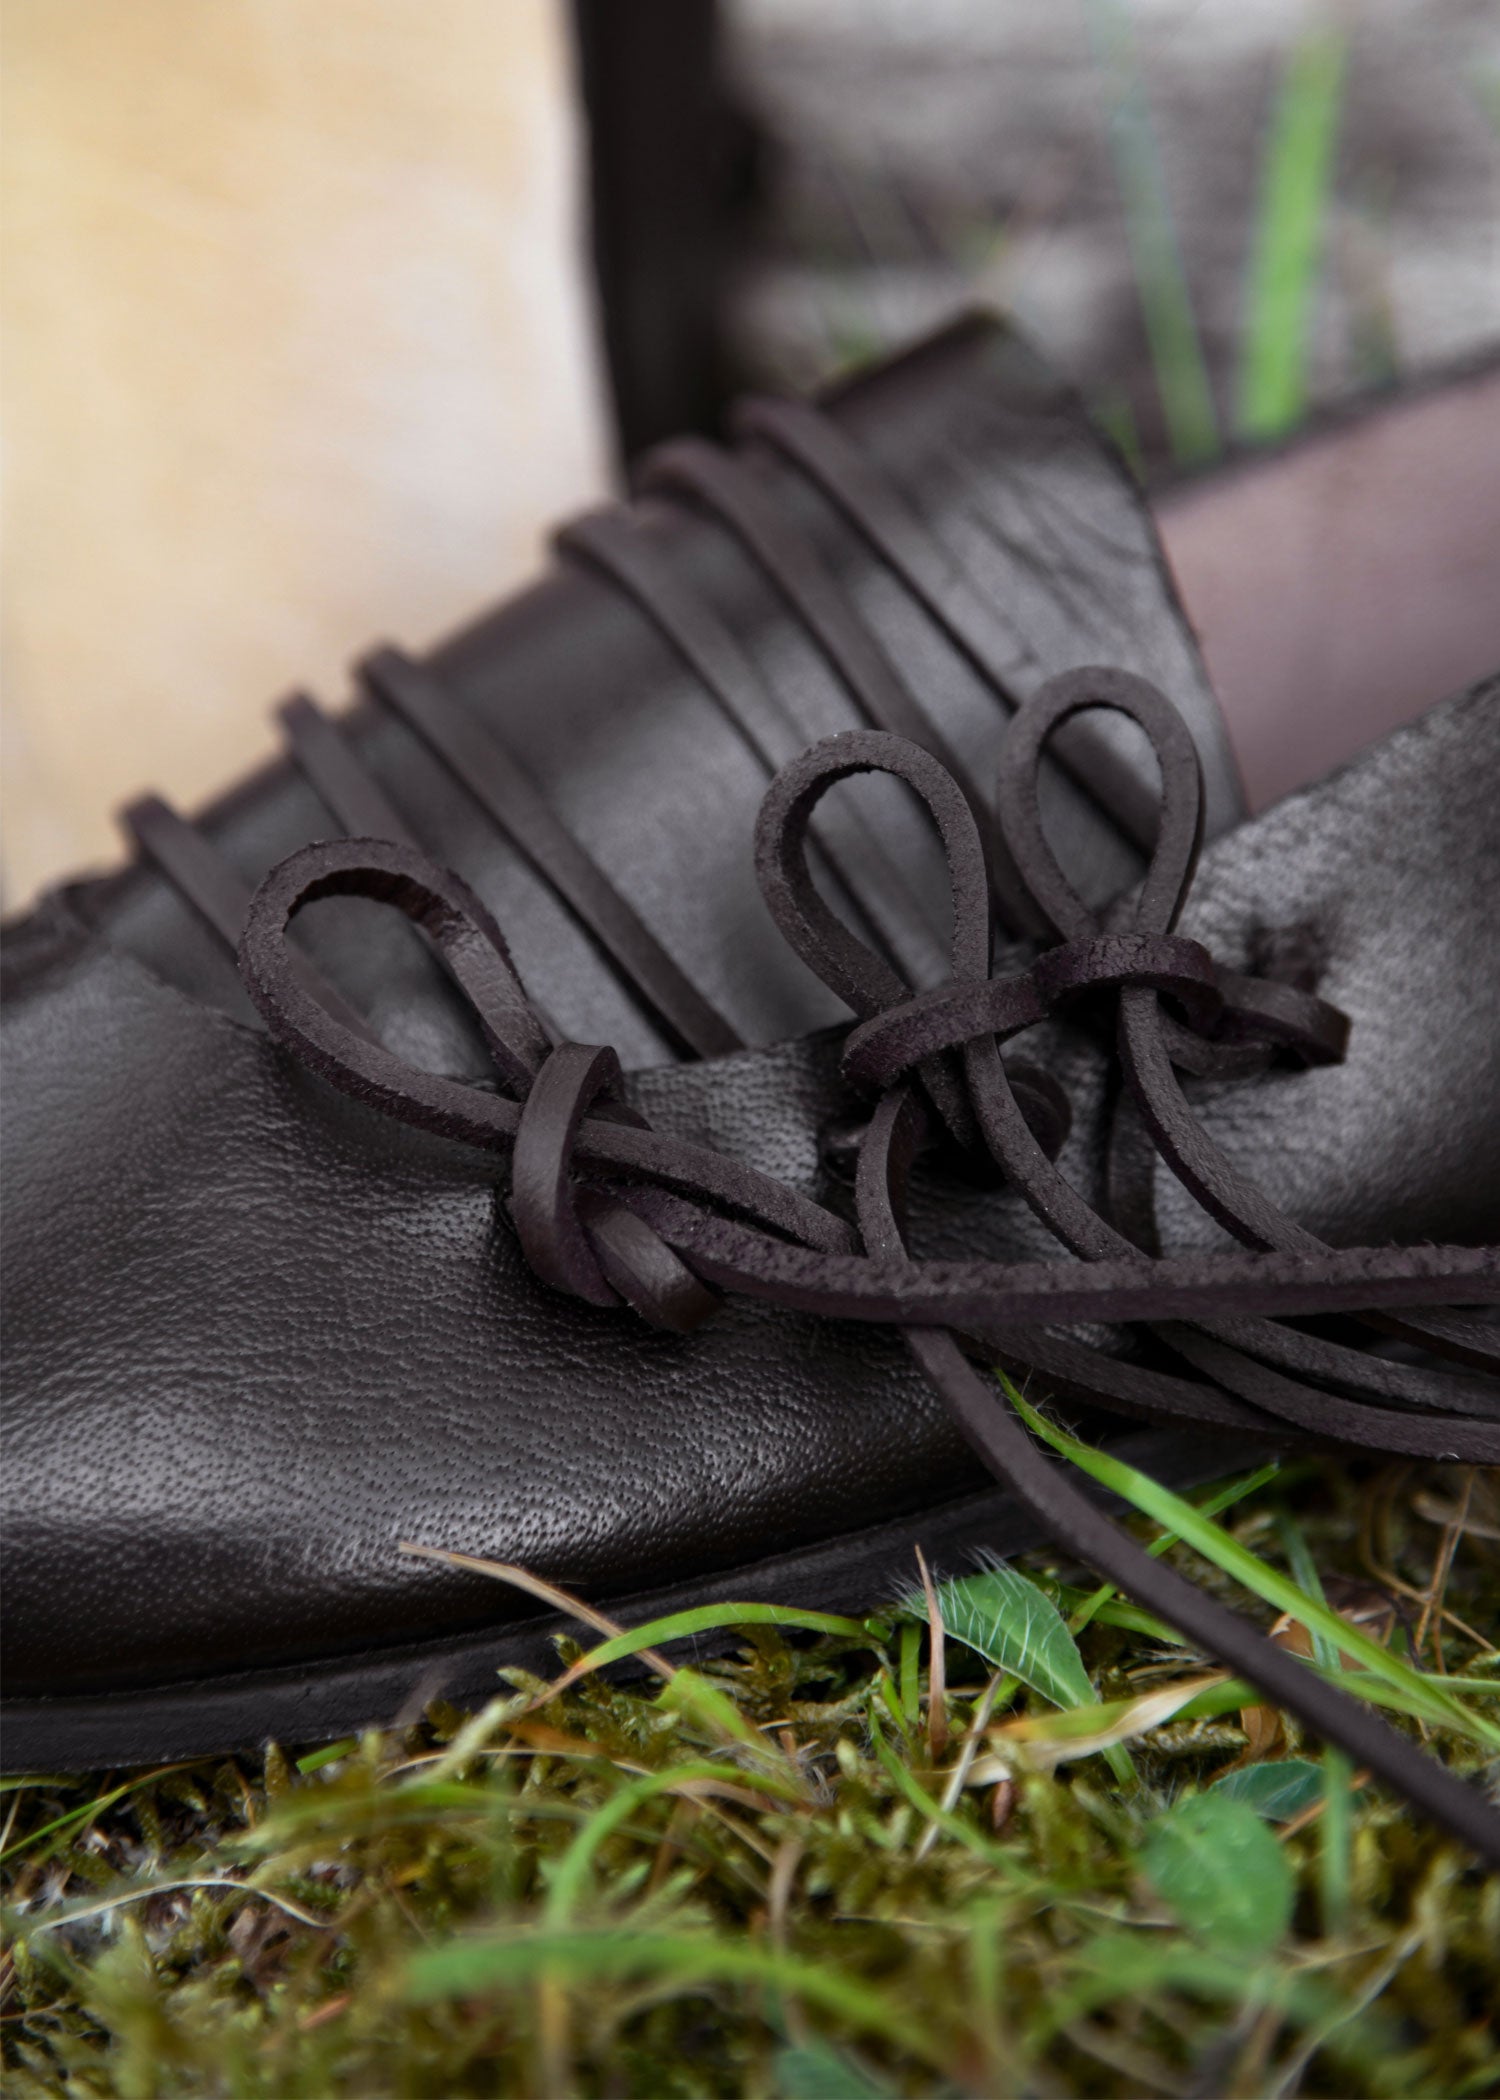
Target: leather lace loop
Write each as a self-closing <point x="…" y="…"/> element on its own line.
<point x="1179" y="833"/>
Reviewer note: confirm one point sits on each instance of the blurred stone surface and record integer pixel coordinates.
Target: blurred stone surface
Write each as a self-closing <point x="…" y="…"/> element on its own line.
<point x="920" y="157"/>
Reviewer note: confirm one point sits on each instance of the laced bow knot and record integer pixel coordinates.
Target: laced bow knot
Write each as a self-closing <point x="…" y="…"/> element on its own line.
<point x="903" y="1033"/>
<point x="597" y="1197"/>
<point x="608" y="1209"/>
<point x="578" y="1238"/>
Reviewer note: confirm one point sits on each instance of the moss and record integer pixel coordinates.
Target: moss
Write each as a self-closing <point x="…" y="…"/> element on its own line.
<point x="545" y="1908"/>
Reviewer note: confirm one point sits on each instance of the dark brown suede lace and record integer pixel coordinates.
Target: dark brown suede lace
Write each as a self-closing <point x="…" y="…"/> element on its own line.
<point x="610" y="1210"/>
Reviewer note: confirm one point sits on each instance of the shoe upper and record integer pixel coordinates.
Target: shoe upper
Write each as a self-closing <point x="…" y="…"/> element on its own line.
<point x="258" y="1333"/>
<point x="628" y="713"/>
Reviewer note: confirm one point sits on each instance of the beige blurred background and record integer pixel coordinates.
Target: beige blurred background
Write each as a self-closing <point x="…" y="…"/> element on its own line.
<point x="297" y="353"/>
<point x="300" y="341"/>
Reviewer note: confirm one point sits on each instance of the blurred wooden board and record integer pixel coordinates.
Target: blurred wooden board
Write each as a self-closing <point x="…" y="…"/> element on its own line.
<point x="297" y="353"/>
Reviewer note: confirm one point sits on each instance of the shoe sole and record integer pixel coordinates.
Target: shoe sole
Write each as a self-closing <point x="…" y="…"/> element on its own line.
<point x="392" y="1687"/>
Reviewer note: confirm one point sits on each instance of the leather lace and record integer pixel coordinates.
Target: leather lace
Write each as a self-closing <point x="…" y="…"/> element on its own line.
<point x="613" y="1212"/>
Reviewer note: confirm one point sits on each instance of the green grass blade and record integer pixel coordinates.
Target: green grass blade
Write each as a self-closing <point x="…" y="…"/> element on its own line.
<point x="712" y="1618"/>
<point x="1364" y="1684"/>
<point x="570" y="1876"/>
<point x="1166" y="307"/>
<point x="1295" y="188"/>
<point x="1219" y="1699"/>
<point x="75" y="1817"/>
<point x="686" y="1960"/>
<point x="330" y="1754"/>
<point x="1105" y="1605"/>
<point x="1305" y="1573"/>
<point x="1335" y="1860"/>
<point x="911" y="1692"/>
<point x="691" y="1694"/>
<point x="1222" y="1498"/>
<point x="1429" y="1697"/>
<point x="953" y="1825"/>
<point x="1116" y="1967"/>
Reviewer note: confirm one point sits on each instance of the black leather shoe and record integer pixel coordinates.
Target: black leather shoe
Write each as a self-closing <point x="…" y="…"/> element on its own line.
<point x="408" y="1262"/>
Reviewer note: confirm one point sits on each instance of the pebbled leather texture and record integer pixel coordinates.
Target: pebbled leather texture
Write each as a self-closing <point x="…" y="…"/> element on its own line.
<point x="257" y="1333"/>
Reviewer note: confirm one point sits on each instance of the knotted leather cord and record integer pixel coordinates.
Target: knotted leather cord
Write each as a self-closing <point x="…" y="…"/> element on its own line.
<point x="583" y="1164"/>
